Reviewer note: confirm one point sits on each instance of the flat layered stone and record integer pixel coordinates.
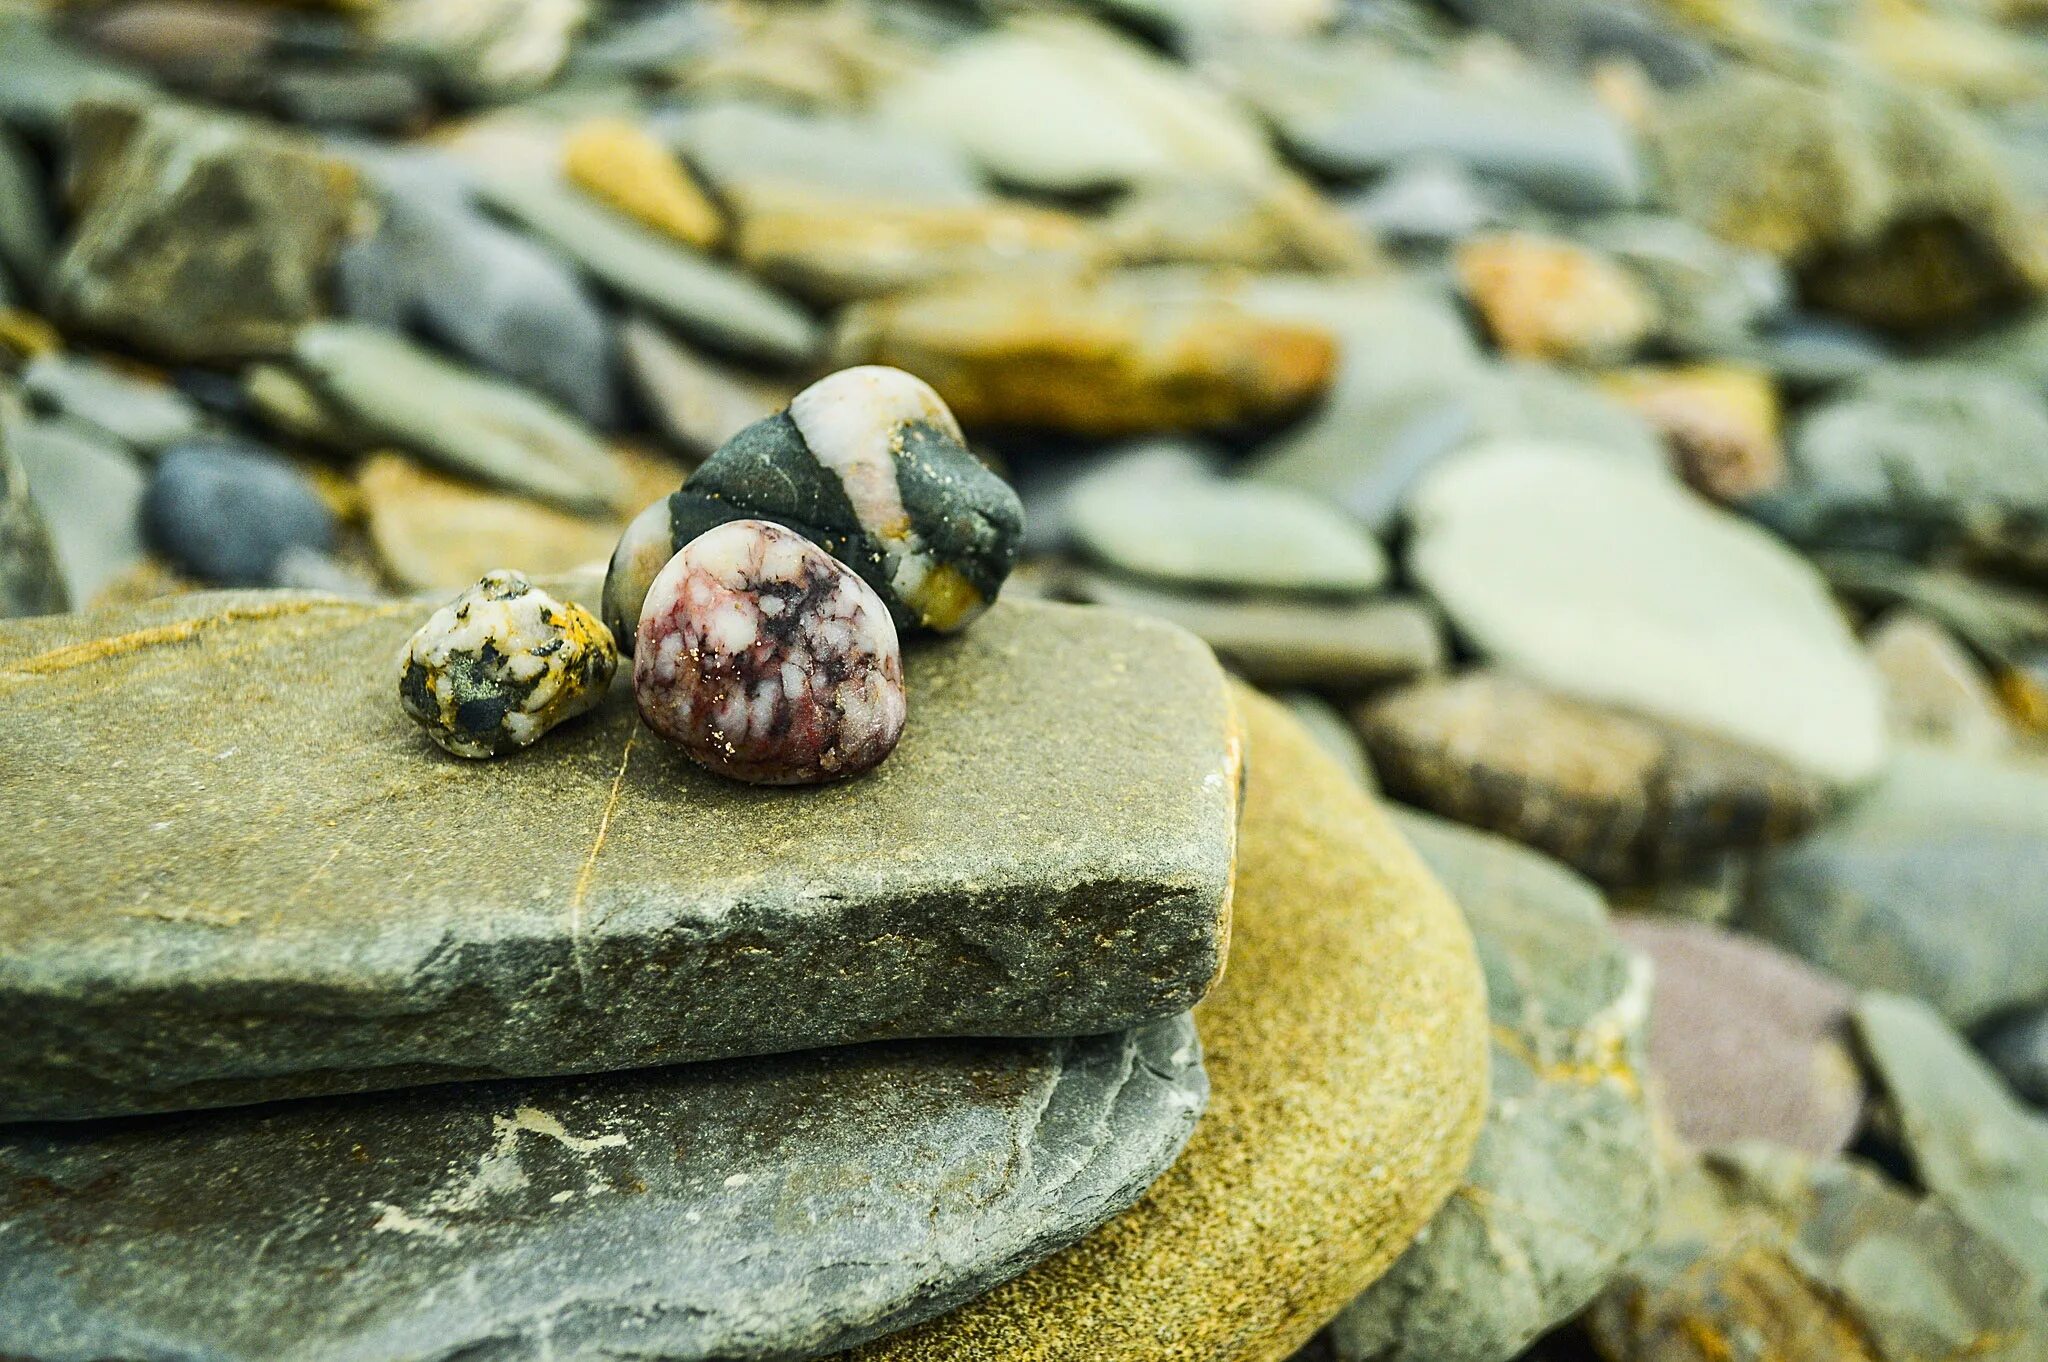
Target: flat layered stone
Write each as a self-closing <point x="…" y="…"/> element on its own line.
<point x="646" y="1215"/>
<point x="295" y="893"/>
<point x="1346" y="1051"/>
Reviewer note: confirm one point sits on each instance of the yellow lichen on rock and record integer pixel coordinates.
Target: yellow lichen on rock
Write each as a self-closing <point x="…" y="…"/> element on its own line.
<point x="625" y="166"/>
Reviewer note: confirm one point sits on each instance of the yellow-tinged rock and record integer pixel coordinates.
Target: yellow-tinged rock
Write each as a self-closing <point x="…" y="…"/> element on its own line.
<point x="432" y="531"/>
<point x="1549" y="299"/>
<point x="623" y="164"/>
<point x="1346" y="1049"/>
<point x="1720" y="420"/>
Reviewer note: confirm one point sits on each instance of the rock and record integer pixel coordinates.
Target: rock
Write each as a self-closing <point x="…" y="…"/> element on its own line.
<point x="1564" y="1182"/>
<point x="31" y="582"/>
<point x="1807" y="352"/>
<point x="88" y="491"/>
<point x="1332" y="732"/>
<point x="1428" y="201"/>
<point x="225" y="511"/>
<point x="697" y="401"/>
<point x="1931" y="884"/>
<point x="1719" y="420"/>
<point x="1336" y="645"/>
<point x="456" y="418"/>
<point x="483" y="48"/>
<point x="701" y="297"/>
<point x="1127" y="354"/>
<point x="145" y="416"/>
<point x="944" y="1168"/>
<point x="1934" y="691"/>
<point x="199" y="236"/>
<point x="1157" y="512"/>
<point x="1569" y="35"/>
<point x="1622" y="798"/>
<point x="401" y="919"/>
<point x="1349" y="108"/>
<point x="1747" y="1043"/>
<point x="2018" y="1050"/>
<point x="768" y="660"/>
<point x="1712" y="623"/>
<point x="1196" y="22"/>
<point x="1549" y="299"/>
<point x="759" y="156"/>
<point x="1971" y="1144"/>
<point x="624" y="165"/>
<point x="497" y="667"/>
<point x="1346" y="1058"/>
<point x="431" y="531"/>
<point x="49" y="75"/>
<point x="1277" y="227"/>
<point x="27" y="244"/>
<point x="1761" y="1253"/>
<point x="1710" y="296"/>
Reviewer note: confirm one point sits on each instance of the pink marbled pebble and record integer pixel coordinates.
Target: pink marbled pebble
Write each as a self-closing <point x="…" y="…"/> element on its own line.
<point x="768" y="660"/>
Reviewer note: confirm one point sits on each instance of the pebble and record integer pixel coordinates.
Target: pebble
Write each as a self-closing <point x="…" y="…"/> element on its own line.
<point x="27" y="240"/>
<point x="2018" y="1049"/>
<point x="1934" y="690"/>
<point x="145" y="416"/>
<point x="697" y="401"/>
<point x="88" y="490"/>
<point x="768" y="660"/>
<point x="497" y="667"/>
<point x="1548" y="299"/>
<point x="226" y="511"/>
<point x="31" y="583"/>
<point x="1720" y="421"/>
<point x="432" y="532"/>
<point x="626" y="166"/>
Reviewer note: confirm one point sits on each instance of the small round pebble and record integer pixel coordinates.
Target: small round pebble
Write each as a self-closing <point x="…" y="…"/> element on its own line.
<point x="501" y="664"/>
<point x="227" y="511"/>
<point x="768" y="660"/>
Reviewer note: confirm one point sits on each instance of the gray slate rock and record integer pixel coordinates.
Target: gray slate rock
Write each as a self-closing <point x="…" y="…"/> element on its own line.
<point x="31" y="583"/>
<point x="88" y="490"/>
<point x="302" y="895"/>
<point x="699" y="402"/>
<point x="226" y="511"/>
<point x="1933" y="884"/>
<point x="1563" y="1184"/>
<point x="753" y="1209"/>
<point x="755" y="152"/>
<point x="145" y="416"/>
<point x="2018" y="1049"/>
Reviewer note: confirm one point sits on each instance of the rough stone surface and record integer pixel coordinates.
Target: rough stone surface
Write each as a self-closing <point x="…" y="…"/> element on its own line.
<point x="1619" y="587"/>
<point x="1932" y="884"/>
<point x="595" y="902"/>
<point x="1747" y="1043"/>
<point x="1621" y="797"/>
<point x="1346" y="1051"/>
<point x="1564" y="1182"/>
<point x="640" y="1214"/>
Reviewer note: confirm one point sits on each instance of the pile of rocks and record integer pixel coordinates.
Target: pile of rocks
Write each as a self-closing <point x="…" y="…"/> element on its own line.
<point x="881" y="446"/>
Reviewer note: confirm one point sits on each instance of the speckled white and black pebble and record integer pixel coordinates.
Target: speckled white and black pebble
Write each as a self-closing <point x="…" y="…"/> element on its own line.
<point x="868" y="464"/>
<point x="768" y="660"/>
<point x="501" y="664"/>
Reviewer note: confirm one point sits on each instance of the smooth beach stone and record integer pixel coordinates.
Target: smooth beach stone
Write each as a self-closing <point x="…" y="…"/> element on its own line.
<point x="1159" y="513"/>
<point x="752" y="1209"/>
<point x="1546" y="298"/>
<point x="1346" y="1052"/>
<point x="1427" y="200"/>
<point x="1934" y="690"/>
<point x="31" y="582"/>
<point x="622" y="164"/>
<point x="698" y="402"/>
<point x="88" y="491"/>
<point x="1747" y="1043"/>
<point x="47" y="75"/>
<point x="225" y="511"/>
<point x="1605" y="582"/>
<point x="432" y="532"/>
<point x="1563" y="1184"/>
<point x="483" y="48"/>
<point x="1971" y="1143"/>
<point x="1932" y="884"/>
<point x="1762" y="1253"/>
<point x="2017" y="1048"/>
<point x="199" y="236"/>
<point x="768" y="660"/>
<point x="457" y="418"/>
<point x="595" y="902"/>
<point x="1278" y="226"/>
<point x="147" y="416"/>
<point x="757" y="155"/>
<point x="1720" y="421"/>
<point x="1333" y="733"/>
<point x="1622" y="797"/>
<point x="1712" y="297"/>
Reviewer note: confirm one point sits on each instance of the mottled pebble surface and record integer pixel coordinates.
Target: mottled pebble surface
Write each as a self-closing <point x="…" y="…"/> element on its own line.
<point x="769" y="660"/>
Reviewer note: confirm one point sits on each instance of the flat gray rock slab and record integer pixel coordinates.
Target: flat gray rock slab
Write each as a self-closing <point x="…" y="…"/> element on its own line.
<point x="763" y="1208"/>
<point x="237" y="872"/>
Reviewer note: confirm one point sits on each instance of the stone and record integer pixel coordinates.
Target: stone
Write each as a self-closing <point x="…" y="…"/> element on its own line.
<point x="1277" y="226"/>
<point x="1343" y="646"/>
<point x="1571" y="35"/>
<point x="1761" y="1253"/>
<point x="1159" y="513"/>
<point x="869" y="465"/>
<point x="759" y="156"/>
<point x="939" y="1168"/>
<point x="626" y="166"/>
<point x="199" y="236"/>
<point x="49" y="75"/>
<point x="704" y="299"/>
<point x="497" y="667"/>
<point x="1428" y="201"/>
<point x="1126" y="354"/>
<point x="1563" y="1184"/>
<point x="1971" y="1143"/>
<point x="483" y="48"/>
<point x="2018" y="1049"/>
<point x="145" y="416"/>
<point x="1545" y="298"/>
<point x="697" y="401"/>
<point x="1333" y="733"/>
<point x="431" y="531"/>
<point x="1711" y="296"/>
<point x="1931" y="885"/>
<point x="1346" y="1051"/>
<point x="1747" y="1042"/>
<point x="457" y="418"/>
<point x="595" y="902"/>
<point x="1622" y="797"/>
<point x="1604" y="582"/>
<point x="88" y="491"/>
<point x="31" y="582"/>
<point x="768" y="660"/>
<point x="1934" y="690"/>
<point x="1720" y="421"/>
<point x="225" y="511"/>
<point x="1196" y="22"/>
<point x="27" y="242"/>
